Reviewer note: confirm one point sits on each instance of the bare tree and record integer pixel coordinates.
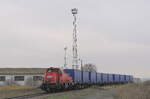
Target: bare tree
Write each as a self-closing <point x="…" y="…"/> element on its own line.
<point x="89" y="67"/>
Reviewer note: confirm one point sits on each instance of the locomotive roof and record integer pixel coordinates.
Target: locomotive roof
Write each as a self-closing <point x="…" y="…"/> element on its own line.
<point x="21" y="71"/>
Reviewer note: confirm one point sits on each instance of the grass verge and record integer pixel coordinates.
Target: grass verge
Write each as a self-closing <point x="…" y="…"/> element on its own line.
<point x="134" y="91"/>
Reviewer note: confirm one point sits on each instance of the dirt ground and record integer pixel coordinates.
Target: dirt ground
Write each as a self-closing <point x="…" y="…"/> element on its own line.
<point x="89" y="93"/>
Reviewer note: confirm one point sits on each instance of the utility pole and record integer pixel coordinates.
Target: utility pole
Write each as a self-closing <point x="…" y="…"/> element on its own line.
<point x="81" y="63"/>
<point x="65" y="58"/>
<point x="74" y="45"/>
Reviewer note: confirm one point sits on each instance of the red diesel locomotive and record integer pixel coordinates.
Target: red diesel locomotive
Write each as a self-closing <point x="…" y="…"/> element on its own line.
<point x="55" y="79"/>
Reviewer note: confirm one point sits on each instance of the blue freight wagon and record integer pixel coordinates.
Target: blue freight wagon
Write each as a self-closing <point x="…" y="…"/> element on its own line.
<point x="75" y="74"/>
<point x="127" y="78"/>
<point x="116" y="78"/>
<point x="122" y="78"/>
<point x="110" y="78"/>
<point x="85" y="77"/>
<point x="92" y="77"/>
<point x="130" y="78"/>
<point x="104" y="77"/>
<point x="99" y="78"/>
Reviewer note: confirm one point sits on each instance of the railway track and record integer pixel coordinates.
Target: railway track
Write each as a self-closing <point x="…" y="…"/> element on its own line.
<point x="35" y="92"/>
<point x="28" y="96"/>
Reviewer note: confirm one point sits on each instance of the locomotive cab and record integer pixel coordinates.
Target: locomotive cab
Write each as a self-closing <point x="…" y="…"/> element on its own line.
<point x="55" y="78"/>
<point x="52" y="75"/>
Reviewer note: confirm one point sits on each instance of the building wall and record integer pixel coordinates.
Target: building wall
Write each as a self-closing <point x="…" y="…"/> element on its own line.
<point x="28" y="80"/>
<point x="8" y="79"/>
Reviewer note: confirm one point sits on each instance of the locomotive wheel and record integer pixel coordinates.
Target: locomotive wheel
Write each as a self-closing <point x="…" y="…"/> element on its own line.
<point x="48" y="90"/>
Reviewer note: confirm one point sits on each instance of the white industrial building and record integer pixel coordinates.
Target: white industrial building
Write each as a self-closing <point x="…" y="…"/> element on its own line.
<point x="21" y="76"/>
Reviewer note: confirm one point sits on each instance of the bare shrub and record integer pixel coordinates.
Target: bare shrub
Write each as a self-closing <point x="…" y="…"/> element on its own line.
<point x="89" y="67"/>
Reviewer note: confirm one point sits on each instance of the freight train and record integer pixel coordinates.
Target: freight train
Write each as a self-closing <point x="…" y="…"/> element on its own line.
<point x="56" y="79"/>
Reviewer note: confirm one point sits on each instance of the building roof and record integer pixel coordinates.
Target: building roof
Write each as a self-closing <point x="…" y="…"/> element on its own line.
<point x="22" y="71"/>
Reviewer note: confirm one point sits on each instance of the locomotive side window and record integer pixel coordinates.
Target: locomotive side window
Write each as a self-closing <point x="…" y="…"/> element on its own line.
<point x="2" y="78"/>
<point x="49" y="70"/>
<point x="19" y="78"/>
<point x="52" y="70"/>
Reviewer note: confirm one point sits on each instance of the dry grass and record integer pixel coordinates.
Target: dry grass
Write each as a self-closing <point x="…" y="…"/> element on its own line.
<point x="134" y="91"/>
<point x="74" y="94"/>
<point x="83" y="93"/>
<point x="14" y="87"/>
<point x="16" y="90"/>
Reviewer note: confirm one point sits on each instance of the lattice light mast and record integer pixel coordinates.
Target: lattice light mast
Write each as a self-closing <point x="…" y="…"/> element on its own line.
<point x="74" y="45"/>
<point x="65" y="57"/>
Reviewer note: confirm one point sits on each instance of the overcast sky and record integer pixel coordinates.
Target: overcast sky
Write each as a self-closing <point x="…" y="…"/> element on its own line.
<point x="112" y="34"/>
